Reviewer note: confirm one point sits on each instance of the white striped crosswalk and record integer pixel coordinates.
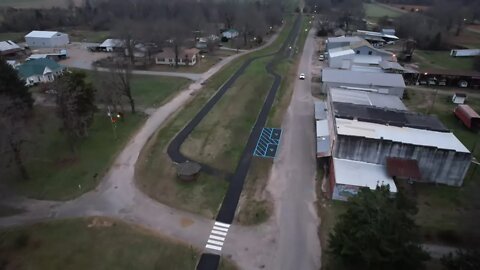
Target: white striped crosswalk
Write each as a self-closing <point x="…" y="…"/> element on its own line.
<point x="217" y="236"/>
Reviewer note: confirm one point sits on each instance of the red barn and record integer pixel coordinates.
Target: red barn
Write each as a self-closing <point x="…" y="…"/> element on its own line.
<point x="468" y="116"/>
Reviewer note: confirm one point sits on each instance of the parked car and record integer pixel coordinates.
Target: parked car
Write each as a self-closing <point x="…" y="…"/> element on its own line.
<point x="321" y="57"/>
<point x="302" y="76"/>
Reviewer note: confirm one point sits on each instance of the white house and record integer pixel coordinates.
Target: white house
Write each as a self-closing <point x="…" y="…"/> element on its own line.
<point x="46" y="39"/>
<point x="230" y="33"/>
<point x="186" y="57"/>
<point x="109" y="45"/>
<point x="39" y="71"/>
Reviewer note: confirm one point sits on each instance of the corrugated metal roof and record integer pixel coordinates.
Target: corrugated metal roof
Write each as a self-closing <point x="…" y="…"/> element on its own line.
<point x="8" y="45"/>
<point x="112" y="43"/>
<point x="469" y="111"/>
<point x="337" y="53"/>
<point x="322" y="128"/>
<point x="388" y="116"/>
<point x="367" y="59"/>
<point x="362" y="78"/>
<point x="362" y="174"/>
<point x="323" y="146"/>
<point x="320" y="110"/>
<point x="376" y="34"/>
<point x="37" y="67"/>
<point x="391" y="65"/>
<point x="366" y="98"/>
<point x="441" y="140"/>
<point x="470" y="52"/>
<point x="350" y="39"/>
<point x="42" y="34"/>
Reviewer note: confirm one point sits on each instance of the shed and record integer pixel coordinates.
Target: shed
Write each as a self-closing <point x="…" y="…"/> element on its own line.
<point x="459" y="98"/>
<point x="46" y="39"/>
<point x="468" y="116"/>
<point x="465" y="53"/>
<point x="323" y="139"/>
<point x="188" y="171"/>
<point x="348" y="176"/>
<point x="110" y="45"/>
<point x="9" y="48"/>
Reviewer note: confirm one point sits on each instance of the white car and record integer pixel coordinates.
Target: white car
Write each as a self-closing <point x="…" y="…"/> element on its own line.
<point x="302" y="76"/>
<point x="321" y="57"/>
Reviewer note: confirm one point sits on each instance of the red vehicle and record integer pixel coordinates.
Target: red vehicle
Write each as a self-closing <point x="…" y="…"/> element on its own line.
<point x="468" y="116"/>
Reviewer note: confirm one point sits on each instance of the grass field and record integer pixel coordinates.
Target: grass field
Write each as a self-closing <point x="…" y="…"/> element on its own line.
<point x="155" y="172"/>
<point x="442" y="60"/>
<point x="13" y="36"/>
<point x="36" y="3"/>
<point x="449" y="214"/>
<point x="58" y="173"/>
<point x="376" y="11"/>
<point x="93" y="243"/>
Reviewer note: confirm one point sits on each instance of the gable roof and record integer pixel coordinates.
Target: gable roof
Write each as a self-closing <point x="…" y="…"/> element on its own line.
<point x="182" y="53"/>
<point x="43" y="34"/>
<point x="362" y="78"/>
<point x="112" y="43"/>
<point x="37" y="67"/>
<point x="8" y="45"/>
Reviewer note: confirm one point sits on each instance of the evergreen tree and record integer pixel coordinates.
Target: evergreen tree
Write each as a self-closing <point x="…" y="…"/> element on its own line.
<point x="377" y="232"/>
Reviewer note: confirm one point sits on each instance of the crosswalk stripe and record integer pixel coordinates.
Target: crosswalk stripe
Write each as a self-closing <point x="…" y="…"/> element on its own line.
<point x="218" y="243"/>
<point x="219" y="233"/>
<point x="221" y="224"/>
<point x="220" y="228"/>
<point x="213" y="247"/>
<point x="217" y="237"/>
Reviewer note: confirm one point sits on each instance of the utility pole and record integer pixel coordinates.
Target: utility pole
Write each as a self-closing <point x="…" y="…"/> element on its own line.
<point x="113" y="121"/>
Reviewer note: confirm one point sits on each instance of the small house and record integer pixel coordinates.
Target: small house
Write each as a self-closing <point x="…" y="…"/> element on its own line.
<point x="230" y="33"/>
<point x="110" y="45"/>
<point x="39" y="71"/>
<point x="186" y="57"/>
<point x="459" y="98"/>
<point x="46" y="39"/>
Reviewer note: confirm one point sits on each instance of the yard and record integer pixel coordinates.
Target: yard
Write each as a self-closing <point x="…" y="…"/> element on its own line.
<point x="203" y="64"/>
<point x="467" y="38"/>
<point x="449" y="214"/>
<point x="375" y="11"/>
<point x="36" y="3"/>
<point x="93" y="243"/>
<point x="155" y="173"/>
<point x="441" y="60"/>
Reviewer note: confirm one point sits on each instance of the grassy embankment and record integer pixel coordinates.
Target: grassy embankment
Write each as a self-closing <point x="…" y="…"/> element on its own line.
<point x="155" y="172"/>
<point x="56" y="172"/>
<point x="93" y="243"/>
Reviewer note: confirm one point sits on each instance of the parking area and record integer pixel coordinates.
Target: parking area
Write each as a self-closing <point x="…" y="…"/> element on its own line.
<point x="267" y="144"/>
<point x="80" y="57"/>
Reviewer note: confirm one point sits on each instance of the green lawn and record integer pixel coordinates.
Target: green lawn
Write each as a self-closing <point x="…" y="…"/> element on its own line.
<point x="13" y="36"/>
<point x="55" y="171"/>
<point x="34" y="3"/>
<point x="376" y="11"/>
<point x="93" y="243"/>
<point x="442" y="60"/>
<point x="449" y="214"/>
<point x="153" y="91"/>
<point x="87" y="35"/>
<point x="155" y="172"/>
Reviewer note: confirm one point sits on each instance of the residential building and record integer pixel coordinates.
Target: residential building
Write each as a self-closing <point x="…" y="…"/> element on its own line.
<point x="9" y="48"/>
<point x="39" y="71"/>
<point x="46" y="39"/>
<point x="385" y="83"/>
<point x="186" y="57"/>
<point x="230" y="33"/>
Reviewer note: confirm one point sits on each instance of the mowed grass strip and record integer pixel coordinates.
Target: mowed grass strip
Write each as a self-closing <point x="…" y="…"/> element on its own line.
<point x="93" y="243"/>
<point x="58" y="173"/>
<point x="154" y="91"/>
<point x="220" y="138"/>
<point x="155" y="174"/>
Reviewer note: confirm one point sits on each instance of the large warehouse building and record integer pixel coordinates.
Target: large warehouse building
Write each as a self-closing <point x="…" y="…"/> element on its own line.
<point x="46" y="39"/>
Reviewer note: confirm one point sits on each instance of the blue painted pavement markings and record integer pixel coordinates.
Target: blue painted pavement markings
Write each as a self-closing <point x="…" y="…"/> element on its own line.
<point x="267" y="144"/>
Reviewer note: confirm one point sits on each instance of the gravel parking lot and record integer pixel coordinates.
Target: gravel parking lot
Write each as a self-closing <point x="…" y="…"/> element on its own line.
<point x="80" y="57"/>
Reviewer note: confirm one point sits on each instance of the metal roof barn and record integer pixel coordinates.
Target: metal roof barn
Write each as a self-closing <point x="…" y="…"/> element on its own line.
<point x="366" y="98"/>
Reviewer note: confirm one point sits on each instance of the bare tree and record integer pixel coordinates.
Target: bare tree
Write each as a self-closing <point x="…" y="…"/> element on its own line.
<point x="15" y="109"/>
<point x="75" y="106"/>
<point x="120" y="79"/>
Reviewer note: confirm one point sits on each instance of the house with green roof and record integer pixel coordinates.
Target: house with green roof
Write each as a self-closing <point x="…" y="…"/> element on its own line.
<point x="39" y="71"/>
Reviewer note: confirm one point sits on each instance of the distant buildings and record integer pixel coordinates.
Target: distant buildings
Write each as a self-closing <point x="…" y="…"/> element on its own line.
<point x="186" y="57"/>
<point x="9" y="48"/>
<point x="46" y="39"/>
<point x="230" y="33"/>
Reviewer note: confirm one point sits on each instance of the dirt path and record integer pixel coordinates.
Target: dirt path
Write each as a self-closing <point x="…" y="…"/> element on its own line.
<point x="117" y="195"/>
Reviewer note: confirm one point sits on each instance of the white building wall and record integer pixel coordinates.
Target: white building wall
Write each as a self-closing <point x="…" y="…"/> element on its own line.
<point x="59" y="40"/>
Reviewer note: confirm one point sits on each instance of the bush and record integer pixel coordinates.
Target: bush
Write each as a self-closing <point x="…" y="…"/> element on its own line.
<point x="22" y="240"/>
